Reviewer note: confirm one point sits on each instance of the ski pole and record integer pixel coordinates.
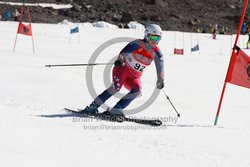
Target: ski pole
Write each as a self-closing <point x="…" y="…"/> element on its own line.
<point x="178" y="114"/>
<point x="86" y="64"/>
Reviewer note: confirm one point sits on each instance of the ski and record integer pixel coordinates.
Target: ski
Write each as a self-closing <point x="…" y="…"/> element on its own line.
<point x="152" y="122"/>
<point x="101" y="116"/>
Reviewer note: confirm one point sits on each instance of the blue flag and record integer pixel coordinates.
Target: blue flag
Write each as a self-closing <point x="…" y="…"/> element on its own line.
<point x="74" y="30"/>
<point x="195" y="48"/>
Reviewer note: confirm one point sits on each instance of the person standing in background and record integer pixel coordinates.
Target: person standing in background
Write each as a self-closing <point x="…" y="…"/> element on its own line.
<point x="16" y="14"/>
<point x="248" y="41"/>
<point x="7" y="14"/>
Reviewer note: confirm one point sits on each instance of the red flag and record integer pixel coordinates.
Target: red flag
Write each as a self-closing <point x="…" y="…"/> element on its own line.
<point x="239" y="69"/>
<point x="178" y="51"/>
<point x="24" y="29"/>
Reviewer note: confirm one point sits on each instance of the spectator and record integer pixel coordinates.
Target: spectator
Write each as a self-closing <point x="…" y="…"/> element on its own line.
<point x="244" y="29"/>
<point x="214" y="31"/>
<point x="222" y="30"/>
<point x="226" y="30"/>
<point x="248" y="41"/>
<point x="16" y="14"/>
<point x="7" y="15"/>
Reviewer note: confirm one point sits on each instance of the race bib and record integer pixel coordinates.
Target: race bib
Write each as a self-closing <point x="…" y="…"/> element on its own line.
<point x="134" y="64"/>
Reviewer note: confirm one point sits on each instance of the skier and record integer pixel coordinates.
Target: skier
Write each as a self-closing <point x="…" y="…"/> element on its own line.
<point x="128" y="68"/>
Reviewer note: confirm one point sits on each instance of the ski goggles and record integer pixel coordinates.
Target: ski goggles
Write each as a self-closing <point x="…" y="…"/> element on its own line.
<point x="155" y="38"/>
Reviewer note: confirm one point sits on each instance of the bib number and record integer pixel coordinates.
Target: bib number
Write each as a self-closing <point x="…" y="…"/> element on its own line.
<point x="139" y="67"/>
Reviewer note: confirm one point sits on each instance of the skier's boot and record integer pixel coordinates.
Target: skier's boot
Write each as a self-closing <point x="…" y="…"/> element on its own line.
<point x="115" y="114"/>
<point x="91" y="109"/>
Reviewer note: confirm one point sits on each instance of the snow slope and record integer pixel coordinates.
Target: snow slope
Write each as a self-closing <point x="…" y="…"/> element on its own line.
<point x="36" y="131"/>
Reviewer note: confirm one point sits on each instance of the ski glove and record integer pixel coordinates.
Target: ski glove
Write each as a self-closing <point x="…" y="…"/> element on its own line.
<point x="160" y="83"/>
<point x="118" y="63"/>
